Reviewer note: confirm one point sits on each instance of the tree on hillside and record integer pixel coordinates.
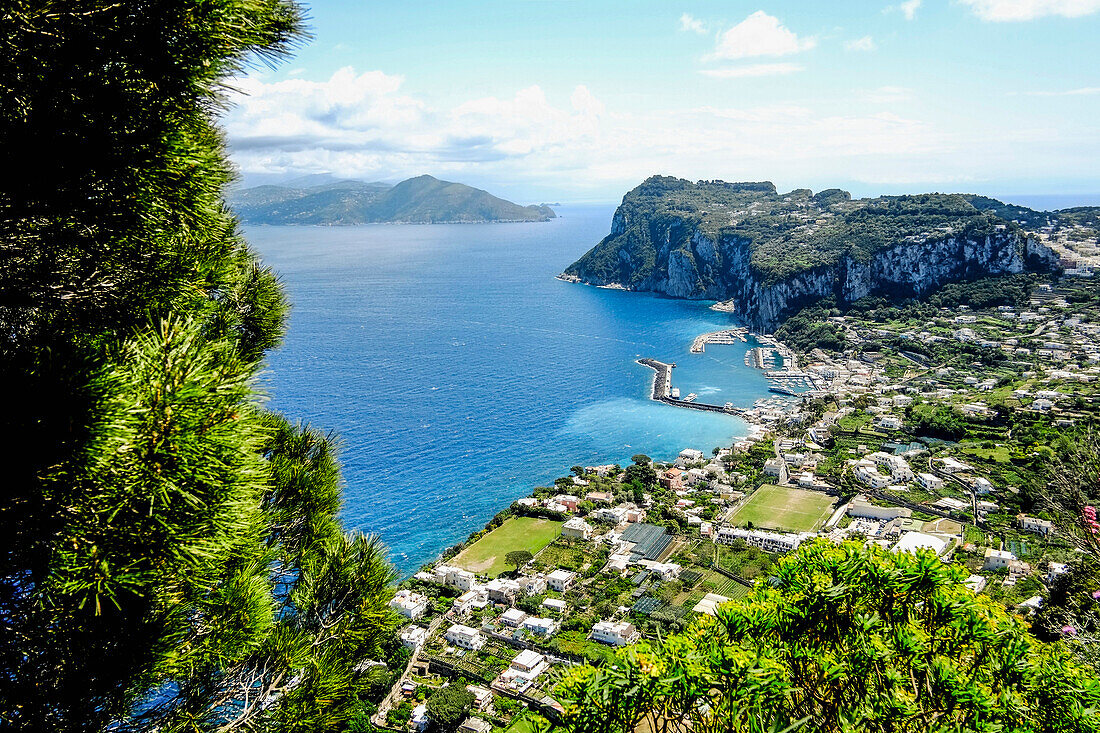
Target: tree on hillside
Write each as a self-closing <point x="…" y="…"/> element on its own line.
<point x="449" y="706"/>
<point x="846" y="638"/>
<point x="641" y="473"/>
<point x="170" y="555"/>
<point x="518" y="558"/>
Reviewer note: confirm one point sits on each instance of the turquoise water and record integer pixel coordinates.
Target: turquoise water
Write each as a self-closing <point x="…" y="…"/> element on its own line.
<point x="459" y="373"/>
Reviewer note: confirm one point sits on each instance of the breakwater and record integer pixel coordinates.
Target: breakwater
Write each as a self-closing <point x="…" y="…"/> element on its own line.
<point x="662" y="390"/>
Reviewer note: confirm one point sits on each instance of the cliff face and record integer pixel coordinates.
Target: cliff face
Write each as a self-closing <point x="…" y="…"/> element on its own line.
<point x="684" y="255"/>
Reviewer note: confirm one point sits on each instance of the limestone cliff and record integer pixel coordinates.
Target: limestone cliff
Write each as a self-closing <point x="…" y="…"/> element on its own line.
<point x="772" y="254"/>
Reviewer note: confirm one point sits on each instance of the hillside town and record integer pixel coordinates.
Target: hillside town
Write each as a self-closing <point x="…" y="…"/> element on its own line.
<point x="926" y="432"/>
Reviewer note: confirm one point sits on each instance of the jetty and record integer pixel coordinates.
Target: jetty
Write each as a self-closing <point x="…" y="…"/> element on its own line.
<point x="725" y="336"/>
<point x="662" y="391"/>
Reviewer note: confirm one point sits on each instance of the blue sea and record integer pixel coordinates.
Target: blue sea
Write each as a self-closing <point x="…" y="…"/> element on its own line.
<point x="459" y="373"/>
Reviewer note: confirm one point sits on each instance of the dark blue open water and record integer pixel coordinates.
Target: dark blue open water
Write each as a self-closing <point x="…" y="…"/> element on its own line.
<point x="459" y="373"/>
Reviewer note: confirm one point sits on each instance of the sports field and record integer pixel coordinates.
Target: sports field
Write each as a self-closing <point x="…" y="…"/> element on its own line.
<point x="518" y="533"/>
<point x="784" y="508"/>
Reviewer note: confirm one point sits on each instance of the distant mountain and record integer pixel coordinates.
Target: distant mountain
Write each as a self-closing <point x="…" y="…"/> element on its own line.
<point x="420" y="200"/>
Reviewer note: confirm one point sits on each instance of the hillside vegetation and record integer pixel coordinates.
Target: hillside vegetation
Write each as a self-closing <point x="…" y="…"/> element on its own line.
<point x="420" y="200"/>
<point x="772" y="253"/>
<point x="842" y="638"/>
<point x="787" y="233"/>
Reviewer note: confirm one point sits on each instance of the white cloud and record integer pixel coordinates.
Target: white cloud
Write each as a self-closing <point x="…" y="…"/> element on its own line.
<point x="735" y="72"/>
<point x="909" y="8"/>
<point x="886" y="94"/>
<point x="692" y="24"/>
<point x="371" y="126"/>
<point x="1080" y="92"/>
<point x="759" y="34"/>
<point x="861" y="44"/>
<point x="1014" y="10"/>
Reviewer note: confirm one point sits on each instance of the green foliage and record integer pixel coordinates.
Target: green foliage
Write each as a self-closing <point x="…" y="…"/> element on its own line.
<point x="159" y="531"/>
<point x="448" y="706"/>
<point x="847" y="638"/>
<point x="937" y="421"/>
<point x="641" y="474"/>
<point x="782" y="235"/>
<point x="518" y="558"/>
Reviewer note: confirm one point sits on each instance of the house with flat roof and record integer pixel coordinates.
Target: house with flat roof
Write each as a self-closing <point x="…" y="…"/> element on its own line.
<point x="560" y="580"/>
<point x="412" y="637"/>
<point x="513" y="617"/>
<point x="409" y="604"/>
<point x="454" y="577"/>
<point x="615" y="633"/>
<point x="464" y="637"/>
<point x="995" y="559"/>
<point x="1034" y="524"/>
<point x="929" y="481"/>
<point x="539" y="626"/>
<point x="576" y="528"/>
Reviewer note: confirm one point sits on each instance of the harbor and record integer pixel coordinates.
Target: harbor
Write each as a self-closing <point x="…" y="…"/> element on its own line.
<point x="663" y="390"/>
<point x="725" y="336"/>
<point x="778" y="363"/>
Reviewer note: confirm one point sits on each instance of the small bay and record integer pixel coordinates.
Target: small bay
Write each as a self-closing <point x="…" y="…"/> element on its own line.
<point x="459" y="373"/>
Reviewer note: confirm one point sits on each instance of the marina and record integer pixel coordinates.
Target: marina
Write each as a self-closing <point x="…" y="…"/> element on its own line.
<point x="725" y="336"/>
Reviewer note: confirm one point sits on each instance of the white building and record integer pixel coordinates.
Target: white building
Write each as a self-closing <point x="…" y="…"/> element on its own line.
<point x="950" y="465"/>
<point x="464" y="637"/>
<point x="556" y="605"/>
<point x="409" y="604"/>
<point x="913" y="541"/>
<point x="889" y="422"/>
<point x="615" y="633"/>
<point x="995" y="559"/>
<point x="896" y="465"/>
<point x="513" y="618"/>
<point x="540" y="626"/>
<point x="861" y="507"/>
<point x="776" y="467"/>
<point x="982" y="486"/>
<point x="413" y="636"/>
<point x="666" y="570"/>
<point x="1034" y="524"/>
<point x="560" y="580"/>
<point x="576" y="528"/>
<point x="483" y="698"/>
<point x="690" y="455"/>
<point x="502" y="590"/>
<point x="454" y="577"/>
<point x="930" y="481"/>
<point x="975" y="583"/>
<point x="532" y="585"/>
<point x="769" y="541"/>
<point x="419" y="717"/>
<point x="471" y="600"/>
<point x="866" y="473"/>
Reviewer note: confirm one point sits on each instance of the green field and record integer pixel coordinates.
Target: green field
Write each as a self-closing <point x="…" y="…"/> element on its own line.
<point x="518" y="533"/>
<point x="529" y="722"/>
<point x="712" y="582"/>
<point x="784" y="508"/>
<point x="999" y="454"/>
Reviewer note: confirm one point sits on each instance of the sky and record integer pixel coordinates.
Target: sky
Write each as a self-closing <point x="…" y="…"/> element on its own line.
<point x="580" y="100"/>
